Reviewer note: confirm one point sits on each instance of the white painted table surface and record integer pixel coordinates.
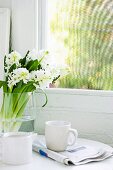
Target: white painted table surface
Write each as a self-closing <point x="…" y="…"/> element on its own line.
<point x="42" y="163"/>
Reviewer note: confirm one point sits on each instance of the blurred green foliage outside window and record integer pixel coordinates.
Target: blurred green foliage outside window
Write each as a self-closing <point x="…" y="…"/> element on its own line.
<point x="80" y="32"/>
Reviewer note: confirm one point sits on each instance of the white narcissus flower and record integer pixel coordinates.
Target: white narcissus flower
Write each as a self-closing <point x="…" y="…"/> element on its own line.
<point x="17" y="75"/>
<point x="41" y="78"/>
<point x="13" y="58"/>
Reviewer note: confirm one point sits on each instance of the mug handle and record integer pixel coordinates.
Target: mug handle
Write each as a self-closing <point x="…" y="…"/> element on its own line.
<point x="75" y="134"/>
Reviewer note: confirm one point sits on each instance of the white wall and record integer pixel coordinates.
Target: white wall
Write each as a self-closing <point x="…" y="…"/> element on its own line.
<point x="5" y="3"/>
<point x="24" y="25"/>
<point x="4" y="37"/>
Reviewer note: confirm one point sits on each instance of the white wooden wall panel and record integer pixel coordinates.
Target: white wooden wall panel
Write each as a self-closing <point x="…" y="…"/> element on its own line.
<point x="4" y="36"/>
<point x="90" y="112"/>
<point x="24" y="25"/>
<point x="5" y="4"/>
<point x="4" y="40"/>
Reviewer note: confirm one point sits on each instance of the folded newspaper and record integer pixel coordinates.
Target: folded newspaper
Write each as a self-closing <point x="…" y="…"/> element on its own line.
<point x="77" y="155"/>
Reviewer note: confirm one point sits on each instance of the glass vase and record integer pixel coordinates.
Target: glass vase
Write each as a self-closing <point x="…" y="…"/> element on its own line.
<point x="16" y="108"/>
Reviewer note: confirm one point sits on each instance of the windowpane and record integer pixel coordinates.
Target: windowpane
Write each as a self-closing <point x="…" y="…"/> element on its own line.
<point x="80" y="33"/>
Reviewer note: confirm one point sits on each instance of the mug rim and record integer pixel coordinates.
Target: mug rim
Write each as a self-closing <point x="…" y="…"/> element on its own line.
<point x="16" y="134"/>
<point x="58" y="123"/>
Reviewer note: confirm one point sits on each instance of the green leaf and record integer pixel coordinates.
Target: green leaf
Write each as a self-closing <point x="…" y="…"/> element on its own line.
<point x="5" y="60"/>
<point x="21" y="104"/>
<point x="55" y="79"/>
<point x="4" y="84"/>
<point x="27" y="53"/>
<point x="13" y="67"/>
<point x="22" y="61"/>
<point x="32" y="65"/>
<point x="19" y="85"/>
<point x="5" y="87"/>
<point x="29" y="87"/>
<point x="1" y="83"/>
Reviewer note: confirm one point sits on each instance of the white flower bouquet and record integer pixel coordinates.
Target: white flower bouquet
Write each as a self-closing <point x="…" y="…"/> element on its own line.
<point x="23" y="75"/>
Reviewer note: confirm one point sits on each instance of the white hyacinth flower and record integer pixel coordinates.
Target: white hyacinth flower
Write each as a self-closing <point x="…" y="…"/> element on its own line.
<point x="22" y="74"/>
<point x="17" y="75"/>
<point x="45" y="83"/>
<point x="48" y="61"/>
<point x="41" y="77"/>
<point x="13" y="58"/>
<point x="32" y="55"/>
<point x="53" y="70"/>
<point x="58" y="70"/>
<point x="36" y="55"/>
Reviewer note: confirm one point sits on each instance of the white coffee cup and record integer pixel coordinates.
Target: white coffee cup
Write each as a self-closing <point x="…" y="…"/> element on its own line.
<point x="16" y="148"/>
<point x="57" y="135"/>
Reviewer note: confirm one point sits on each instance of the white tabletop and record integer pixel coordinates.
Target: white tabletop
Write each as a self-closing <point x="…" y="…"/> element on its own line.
<point x="42" y="163"/>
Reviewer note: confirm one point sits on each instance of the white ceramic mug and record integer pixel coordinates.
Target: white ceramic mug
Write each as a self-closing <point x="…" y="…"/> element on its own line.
<point x="57" y="135"/>
<point x="16" y="148"/>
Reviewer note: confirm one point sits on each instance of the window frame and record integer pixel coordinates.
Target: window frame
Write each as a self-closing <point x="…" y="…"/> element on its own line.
<point x="42" y="44"/>
<point x="42" y="23"/>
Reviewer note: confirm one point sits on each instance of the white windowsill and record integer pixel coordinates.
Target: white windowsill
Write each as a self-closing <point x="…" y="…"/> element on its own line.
<point x="79" y="92"/>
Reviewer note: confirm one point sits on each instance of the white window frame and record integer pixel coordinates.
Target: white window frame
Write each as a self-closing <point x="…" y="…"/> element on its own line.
<point x="4" y="37"/>
<point x="42" y="43"/>
<point x="42" y="23"/>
